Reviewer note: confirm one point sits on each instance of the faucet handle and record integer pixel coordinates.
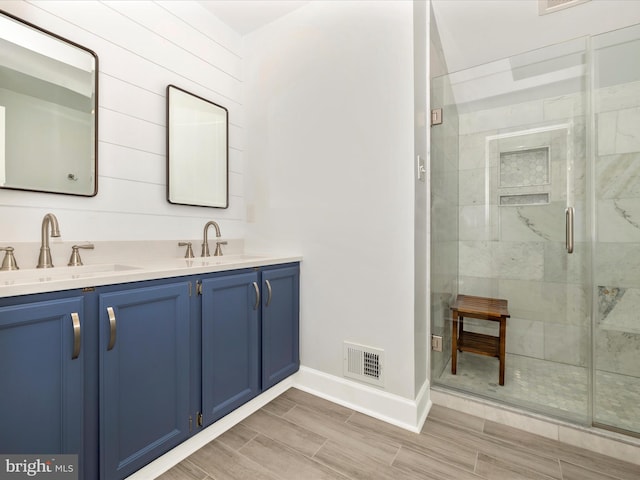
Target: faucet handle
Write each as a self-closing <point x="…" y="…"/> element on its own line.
<point x="189" y="252"/>
<point x="9" y="261"/>
<point x="75" y="260"/>
<point x="218" y="252"/>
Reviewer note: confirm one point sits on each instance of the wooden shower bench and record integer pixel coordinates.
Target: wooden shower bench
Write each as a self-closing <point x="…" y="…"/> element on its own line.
<point x="483" y="308"/>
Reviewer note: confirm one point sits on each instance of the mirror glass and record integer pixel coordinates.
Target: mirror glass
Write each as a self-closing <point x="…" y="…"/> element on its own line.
<point x="197" y="150"/>
<point x="48" y="111"/>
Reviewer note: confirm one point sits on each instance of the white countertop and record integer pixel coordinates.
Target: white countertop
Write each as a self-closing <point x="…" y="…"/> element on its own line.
<point x="32" y="280"/>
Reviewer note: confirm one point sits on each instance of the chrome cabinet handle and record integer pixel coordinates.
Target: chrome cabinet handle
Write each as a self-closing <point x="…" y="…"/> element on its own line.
<point x="255" y="286"/>
<point x="568" y="213"/>
<point x="269" y="292"/>
<point x="112" y="328"/>
<point x="75" y="320"/>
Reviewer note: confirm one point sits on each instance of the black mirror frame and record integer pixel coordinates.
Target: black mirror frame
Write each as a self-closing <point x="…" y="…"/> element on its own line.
<point x="168" y="111"/>
<point x="95" y="121"/>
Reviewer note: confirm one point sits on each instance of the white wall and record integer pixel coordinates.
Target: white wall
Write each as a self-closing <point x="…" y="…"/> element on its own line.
<point x="329" y="106"/>
<point x="142" y="47"/>
<point x="421" y="135"/>
<point x="476" y="32"/>
<point x="330" y="167"/>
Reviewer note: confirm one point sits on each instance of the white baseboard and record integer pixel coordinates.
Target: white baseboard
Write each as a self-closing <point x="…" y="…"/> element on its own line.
<point x="423" y="404"/>
<point x="390" y="408"/>
<point x="193" y="444"/>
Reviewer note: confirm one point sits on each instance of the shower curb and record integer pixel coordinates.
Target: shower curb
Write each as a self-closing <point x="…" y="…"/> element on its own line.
<point x="616" y="445"/>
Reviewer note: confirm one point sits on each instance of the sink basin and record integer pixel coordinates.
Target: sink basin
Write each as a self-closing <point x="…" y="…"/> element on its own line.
<point x="38" y="275"/>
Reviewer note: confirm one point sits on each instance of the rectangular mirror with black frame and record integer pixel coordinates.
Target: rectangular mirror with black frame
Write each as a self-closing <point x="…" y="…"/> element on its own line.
<point x="197" y="150"/>
<point x="48" y="111"/>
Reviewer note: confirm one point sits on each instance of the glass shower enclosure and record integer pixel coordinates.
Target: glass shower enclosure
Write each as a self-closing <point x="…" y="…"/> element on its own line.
<point x="535" y="198"/>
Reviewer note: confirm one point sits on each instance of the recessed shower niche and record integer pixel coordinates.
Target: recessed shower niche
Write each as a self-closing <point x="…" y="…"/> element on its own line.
<point x="531" y="164"/>
<point x="523" y="168"/>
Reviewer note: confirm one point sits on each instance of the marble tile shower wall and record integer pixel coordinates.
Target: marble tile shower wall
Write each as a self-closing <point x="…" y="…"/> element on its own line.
<point x="617" y="250"/>
<point x="444" y="214"/>
<point x="517" y="252"/>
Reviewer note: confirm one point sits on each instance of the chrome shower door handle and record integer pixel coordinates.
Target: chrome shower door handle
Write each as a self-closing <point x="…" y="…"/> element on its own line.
<point x="112" y="328"/>
<point x="568" y="214"/>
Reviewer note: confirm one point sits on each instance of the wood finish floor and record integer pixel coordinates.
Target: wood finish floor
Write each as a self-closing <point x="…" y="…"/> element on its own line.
<point x="301" y="437"/>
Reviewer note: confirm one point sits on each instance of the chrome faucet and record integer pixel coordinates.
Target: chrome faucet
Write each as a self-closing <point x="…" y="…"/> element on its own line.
<point x="49" y="220"/>
<point x="205" y="243"/>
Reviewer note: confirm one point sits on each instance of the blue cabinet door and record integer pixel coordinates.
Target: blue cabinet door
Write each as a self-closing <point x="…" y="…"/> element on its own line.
<point x="41" y="377"/>
<point x="144" y="375"/>
<point x="280" y="324"/>
<point x="230" y="343"/>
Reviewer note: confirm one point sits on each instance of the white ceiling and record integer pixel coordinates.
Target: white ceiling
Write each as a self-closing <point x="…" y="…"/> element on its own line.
<point x="245" y="16"/>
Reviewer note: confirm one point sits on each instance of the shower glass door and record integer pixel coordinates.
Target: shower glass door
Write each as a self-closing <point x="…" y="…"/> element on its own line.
<point x="521" y="130"/>
<point x="616" y="106"/>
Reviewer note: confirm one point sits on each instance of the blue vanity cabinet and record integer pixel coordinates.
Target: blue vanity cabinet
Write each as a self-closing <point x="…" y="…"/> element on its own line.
<point x="250" y="326"/>
<point x="280" y="323"/>
<point x="144" y="340"/>
<point x="120" y="374"/>
<point x="230" y="342"/>
<point x="42" y="350"/>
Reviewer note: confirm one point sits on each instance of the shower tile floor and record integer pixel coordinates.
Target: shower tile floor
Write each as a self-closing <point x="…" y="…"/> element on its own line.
<point x="549" y="387"/>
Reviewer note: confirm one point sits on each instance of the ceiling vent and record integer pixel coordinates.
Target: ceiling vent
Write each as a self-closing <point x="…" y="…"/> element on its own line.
<point x="550" y="6"/>
<point x="363" y="363"/>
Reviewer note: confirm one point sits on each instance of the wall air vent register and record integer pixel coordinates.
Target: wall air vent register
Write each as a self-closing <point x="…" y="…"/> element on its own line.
<point x="364" y="363"/>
